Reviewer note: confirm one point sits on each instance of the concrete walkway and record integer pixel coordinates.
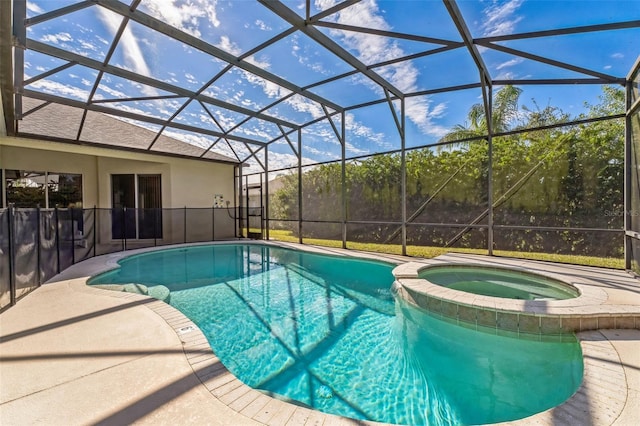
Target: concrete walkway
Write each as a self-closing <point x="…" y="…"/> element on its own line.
<point x="75" y="355"/>
<point x="71" y="357"/>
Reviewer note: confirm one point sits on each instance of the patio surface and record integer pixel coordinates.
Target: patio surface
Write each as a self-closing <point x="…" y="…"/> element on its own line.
<point x="76" y="355"/>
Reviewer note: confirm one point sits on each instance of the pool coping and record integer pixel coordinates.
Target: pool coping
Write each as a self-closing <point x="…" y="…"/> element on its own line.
<point x="600" y="399"/>
<point x="587" y="311"/>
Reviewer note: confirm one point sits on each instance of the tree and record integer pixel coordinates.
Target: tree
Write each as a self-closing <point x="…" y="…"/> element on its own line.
<point x="504" y="116"/>
<point x="547" y="175"/>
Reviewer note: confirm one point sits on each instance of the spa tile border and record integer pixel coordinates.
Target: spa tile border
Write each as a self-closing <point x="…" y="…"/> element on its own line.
<point x="588" y="311"/>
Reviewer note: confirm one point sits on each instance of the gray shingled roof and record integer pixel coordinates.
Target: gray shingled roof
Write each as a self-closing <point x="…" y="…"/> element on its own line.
<point x="61" y="122"/>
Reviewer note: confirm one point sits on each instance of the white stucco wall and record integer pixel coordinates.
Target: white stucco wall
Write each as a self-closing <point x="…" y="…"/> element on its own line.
<point x="185" y="182"/>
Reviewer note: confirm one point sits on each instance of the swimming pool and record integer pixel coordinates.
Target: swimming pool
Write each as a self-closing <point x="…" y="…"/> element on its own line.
<point x="327" y="332"/>
<point x="488" y="281"/>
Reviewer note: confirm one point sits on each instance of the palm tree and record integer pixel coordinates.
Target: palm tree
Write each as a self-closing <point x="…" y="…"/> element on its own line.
<point x="505" y="112"/>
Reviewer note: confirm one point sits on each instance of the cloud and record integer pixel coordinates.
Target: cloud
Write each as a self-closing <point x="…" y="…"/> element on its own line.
<point x="32" y="7"/>
<point x="270" y="89"/>
<point x="617" y="55"/>
<point x="88" y="46"/>
<point x="372" y="49"/>
<point x="133" y="57"/>
<point x="281" y="161"/>
<point x="227" y="45"/>
<point x="102" y="40"/>
<point x="500" y="17"/>
<point x="188" y="137"/>
<point x="360" y="132"/>
<point x="191" y="78"/>
<point x="262" y="25"/>
<point x="510" y="63"/>
<point x="422" y="113"/>
<point x="56" y="38"/>
<point x="66" y="41"/>
<point x="506" y="75"/>
<point x="185" y="15"/>
<point x="260" y="63"/>
<point x="255" y="132"/>
<point x="304" y="57"/>
<point x="305" y="105"/>
<point x="110" y="91"/>
<point x="59" y="89"/>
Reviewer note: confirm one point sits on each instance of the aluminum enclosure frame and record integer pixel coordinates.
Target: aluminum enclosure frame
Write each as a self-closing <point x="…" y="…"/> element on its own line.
<point x="15" y="42"/>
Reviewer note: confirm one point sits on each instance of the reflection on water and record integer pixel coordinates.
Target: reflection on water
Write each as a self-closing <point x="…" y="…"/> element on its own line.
<point x="327" y="332"/>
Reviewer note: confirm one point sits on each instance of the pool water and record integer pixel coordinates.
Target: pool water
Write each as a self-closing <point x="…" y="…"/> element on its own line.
<point x="327" y="332"/>
<point x="498" y="283"/>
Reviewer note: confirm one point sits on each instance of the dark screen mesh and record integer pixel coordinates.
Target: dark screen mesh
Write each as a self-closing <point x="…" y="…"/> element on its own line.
<point x="224" y="223"/>
<point x="174" y="226"/>
<point x="84" y="239"/>
<point x="105" y="243"/>
<point x="199" y="225"/>
<point x="48" y="241"/>
<point x="26" y="253"/>
<point x="48" y="245"/>
<point x="635" y="256"/>
<point x="579" y="243"/>
<point x="67" y="232"/>
<point x="5" y="289"/>
<point x="634" y="202"/>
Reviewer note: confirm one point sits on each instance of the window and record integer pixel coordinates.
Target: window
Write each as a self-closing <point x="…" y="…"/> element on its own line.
<point x="28" y="189"/>
<point x="64" y="190"/>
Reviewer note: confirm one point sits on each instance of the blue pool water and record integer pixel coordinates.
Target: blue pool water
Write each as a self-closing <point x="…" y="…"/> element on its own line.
<point x="327" y="332"/>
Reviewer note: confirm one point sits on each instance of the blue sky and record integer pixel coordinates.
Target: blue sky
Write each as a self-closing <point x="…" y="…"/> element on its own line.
<point x="239" y="26"/>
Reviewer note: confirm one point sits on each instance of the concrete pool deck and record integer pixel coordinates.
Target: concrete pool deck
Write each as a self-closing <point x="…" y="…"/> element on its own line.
<point x="74" y="355"/>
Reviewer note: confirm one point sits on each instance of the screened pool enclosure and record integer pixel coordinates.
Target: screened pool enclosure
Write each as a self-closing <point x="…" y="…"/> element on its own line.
<point x="504" y="127"/>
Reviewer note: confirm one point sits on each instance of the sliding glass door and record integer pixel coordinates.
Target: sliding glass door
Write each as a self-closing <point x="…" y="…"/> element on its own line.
<point x="136" y="203"/>
<point x="123" y="222"/>
<point x="149" y="207"/>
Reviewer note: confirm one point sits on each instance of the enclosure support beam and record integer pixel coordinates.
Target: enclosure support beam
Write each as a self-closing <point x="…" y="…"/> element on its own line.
<point x="299" y="154"/>
<point x="489" y="115"/>
<point x="627" y="177"/>
<point x="132" y="115"/>
<point x="12" y="253"/>
<point x="183" y="37"/>
<point x="240" y="203"/>
<point x="343" y="176"/>
<point x="266" y="192"/>
<point x="20" y="37"/>
<point x="294" y="19"/>
<point x="467" y="38"/>
<point x="49" y="50"/>
<point x="487" y="95"/>
<point x="628" y="140"/>
<point x="403" y="176"/>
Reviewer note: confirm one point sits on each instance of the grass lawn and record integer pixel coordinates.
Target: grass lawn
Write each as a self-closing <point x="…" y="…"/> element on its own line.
<point x="428" y="252"/>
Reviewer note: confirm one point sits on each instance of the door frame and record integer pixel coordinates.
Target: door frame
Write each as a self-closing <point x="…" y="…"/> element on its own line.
<point x="133" y="218"/>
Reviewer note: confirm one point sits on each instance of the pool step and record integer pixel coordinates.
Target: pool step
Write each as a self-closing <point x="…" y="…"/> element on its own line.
<point x="159" y="292"/>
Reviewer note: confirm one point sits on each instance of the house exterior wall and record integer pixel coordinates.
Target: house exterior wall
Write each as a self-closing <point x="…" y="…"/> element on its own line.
<point x="185" y="182"/>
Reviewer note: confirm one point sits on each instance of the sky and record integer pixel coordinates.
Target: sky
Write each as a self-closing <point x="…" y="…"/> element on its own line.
<point x="237" y="27"/>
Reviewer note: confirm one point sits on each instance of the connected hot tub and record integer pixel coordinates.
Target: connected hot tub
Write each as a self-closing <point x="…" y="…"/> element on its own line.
<point x="488" y="281"/>
<point x="505" y="295"/>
